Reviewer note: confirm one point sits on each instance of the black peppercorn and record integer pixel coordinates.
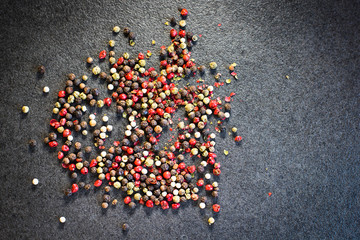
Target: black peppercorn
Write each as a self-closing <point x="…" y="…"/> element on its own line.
<point x="32" y="143"/>
<point x="41" y="69"/>
<point x="126" y="31"/>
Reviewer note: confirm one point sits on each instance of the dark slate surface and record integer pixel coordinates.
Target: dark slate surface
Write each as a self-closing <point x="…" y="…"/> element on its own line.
<point x="301" y="135"/>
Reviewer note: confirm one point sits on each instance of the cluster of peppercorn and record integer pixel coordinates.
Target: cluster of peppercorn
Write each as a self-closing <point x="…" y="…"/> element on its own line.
<point x="148" y="100"/>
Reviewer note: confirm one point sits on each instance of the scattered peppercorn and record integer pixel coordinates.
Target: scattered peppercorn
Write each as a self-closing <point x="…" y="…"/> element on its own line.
<point x="62" y="219"/>
<point x="25" y="109"/>
<point x="32" y="143"/>
<point x="35" y="181"/>
<point x="125" y="227"/>
<point x="41" y="69"/>
<point x="147" y="98"/>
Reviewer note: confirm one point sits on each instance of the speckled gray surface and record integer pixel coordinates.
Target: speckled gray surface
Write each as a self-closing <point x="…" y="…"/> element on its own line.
<point x="301" y="135"/>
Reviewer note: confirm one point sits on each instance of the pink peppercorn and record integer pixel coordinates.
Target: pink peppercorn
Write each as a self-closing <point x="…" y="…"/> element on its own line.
<point x="216" y="207"/>
<point x="98" y="183"/>
<point x="65" y="148"/>
<point x="61" y="94"/>
<point x="173" y="33"/>
<point x="66" y="133"/>
<point x="84" y="170"/>
<point x="209" y="187"/>
<point x="74" y="188"/>
<point x="175" y="205"/>
<point x="127" y="200"/>
<point x="184" y="12"/>
<point x="102" y="54"/>
<point x="149" y="204"/>
<point x="53" y="144"/>
<point x="164" y="204"/>
<point x="107" y="101"/>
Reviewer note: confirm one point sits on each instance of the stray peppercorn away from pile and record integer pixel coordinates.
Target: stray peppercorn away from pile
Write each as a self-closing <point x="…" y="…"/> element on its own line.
<point x="147" y="98"/>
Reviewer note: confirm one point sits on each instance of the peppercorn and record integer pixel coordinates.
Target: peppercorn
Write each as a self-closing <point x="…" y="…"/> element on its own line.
<point x="89" y="60"/>
<point x="32" y="143"/>
<point x="125" y="227"/>
<point x="41" y="69"/>
<point x="104" y="205"/>
<point x="213" y="65"/>
<point x="132" y="35"/>
<point x="126" y="31"/>
<point x="25" y="109"/>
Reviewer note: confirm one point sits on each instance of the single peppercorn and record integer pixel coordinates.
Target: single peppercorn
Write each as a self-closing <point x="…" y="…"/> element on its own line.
<point x="32" y="143"/>
<point x="41" y="69"/>
<point x="125" y="227"/>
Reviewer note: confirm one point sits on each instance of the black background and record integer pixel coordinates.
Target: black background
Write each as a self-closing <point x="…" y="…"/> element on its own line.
<point x="301" y="135"/>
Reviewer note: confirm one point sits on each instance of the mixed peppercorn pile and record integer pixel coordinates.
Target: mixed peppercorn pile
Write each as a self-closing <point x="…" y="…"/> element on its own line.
<point x="148" y="99"/>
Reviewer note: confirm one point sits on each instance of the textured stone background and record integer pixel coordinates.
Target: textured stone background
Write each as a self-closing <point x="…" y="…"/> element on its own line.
<point x="304" y="130"/>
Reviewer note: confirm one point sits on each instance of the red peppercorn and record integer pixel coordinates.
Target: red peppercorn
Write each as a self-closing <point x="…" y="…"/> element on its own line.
<point x="182" y="33"/>
<point x="160" y="111"/>
<point x="129" y="76"/>
<point x="209" y="187"/>
<point x="238" y="138"/>
<point x="169" y="197"/>
<point x="65" y="148"/>
<point x="74" y="188"/>
<point x="102" y="54"/>
<point x="175" y="205"/>
<point x="213" y="104"/>
<point x="107" y="176"/>
<point x="191" y="169"/>
<point x="186" y="57"/>
<point x="93" y="163"/>
<point x="60" y="155"/>
<point x="182" y="165"/>
<point x="138" y="168"/>
<point x="167" y="175"/>
<point x="72" y="167"/>
<point x="149" y="204"/>
<point x="200" y="182"/>
<point x="53" y="144"/>
<point x="120" y="61"/>
<point x="107" y="101"/>
<point x="213" y="155"/>
<point x="118" y="159"/>
<point x="184" y="12"/>
<point x="127" y="200"/>
<point x="136" y="176"/>
<point x="61" y="94"/>
<point x="211" y="161"/>
<point x="66" y="133"/>
<point x="63" y="112"/>
<point x="173" y="33"/>
<point x="97" y="183"/>
<point x="141" y="56"/>
<point x="84" y="170"/>
<point x="171" y="155"/>
<point x="137" y="162"/>
<point x="62" y="121"/>
<point x="130" y="150"/>
<point x="192" y="141"/>
<point x="170" y="75"/>
<point x="164" y="204"/>
<point x="216" y="207"/>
